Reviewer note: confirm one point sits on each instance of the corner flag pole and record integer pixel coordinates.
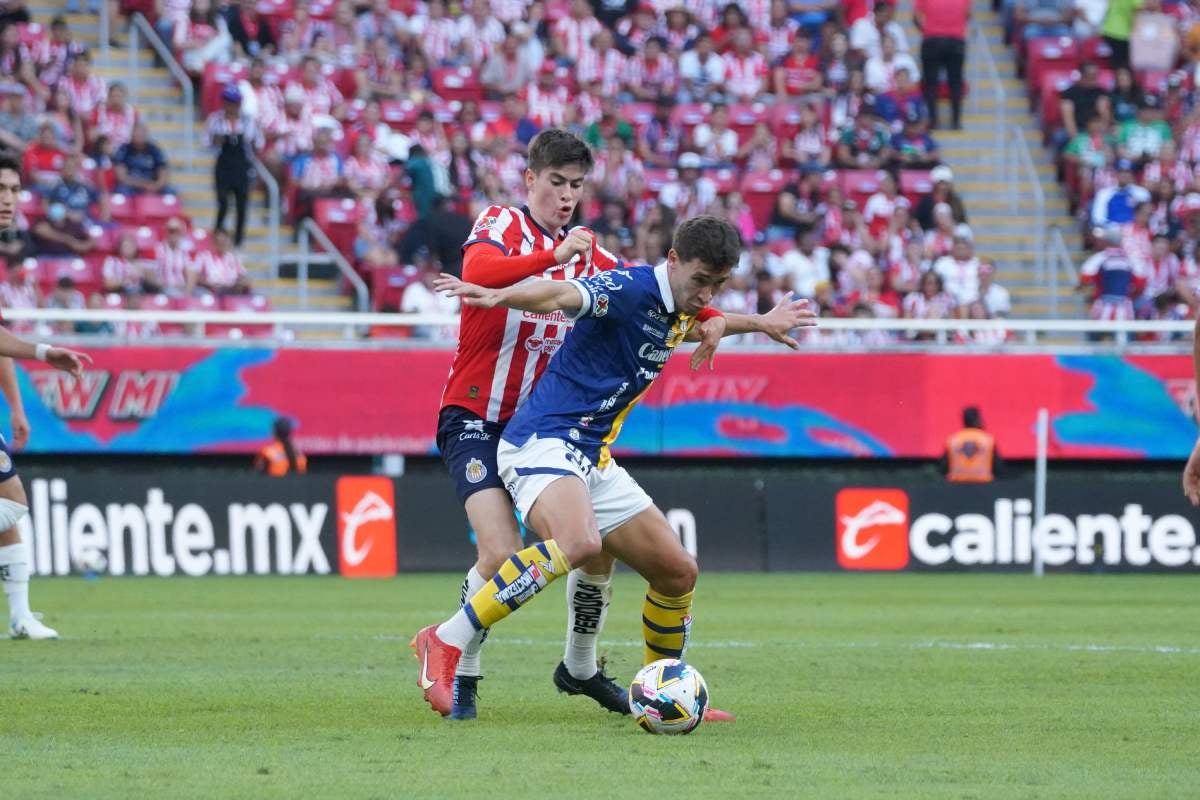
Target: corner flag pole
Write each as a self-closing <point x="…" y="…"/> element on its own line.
<point x="1039" y="489"/>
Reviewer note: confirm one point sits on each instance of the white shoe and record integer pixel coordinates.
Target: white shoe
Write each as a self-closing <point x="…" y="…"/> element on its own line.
<point x="31" y="628"/>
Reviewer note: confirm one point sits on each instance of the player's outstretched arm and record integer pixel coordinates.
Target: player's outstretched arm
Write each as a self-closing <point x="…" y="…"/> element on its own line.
<point x="1191" y="472"/>
<point x="58" y="357"/>
<point x="540" y="296"/>
<point x="786" y="316"/>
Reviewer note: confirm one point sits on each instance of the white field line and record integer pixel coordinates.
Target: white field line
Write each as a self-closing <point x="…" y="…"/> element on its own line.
<point x="700" y="644"/>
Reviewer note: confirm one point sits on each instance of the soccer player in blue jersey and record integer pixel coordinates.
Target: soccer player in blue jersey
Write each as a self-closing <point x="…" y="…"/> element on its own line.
<point x="554" y="455"/>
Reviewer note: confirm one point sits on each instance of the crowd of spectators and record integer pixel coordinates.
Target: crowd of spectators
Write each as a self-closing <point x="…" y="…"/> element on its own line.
<point x="1114" y="81"/>
<point x="99" y="224"/>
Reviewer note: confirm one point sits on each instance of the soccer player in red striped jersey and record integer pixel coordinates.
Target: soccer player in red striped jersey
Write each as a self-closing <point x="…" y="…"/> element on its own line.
<point x="501" y="354"/>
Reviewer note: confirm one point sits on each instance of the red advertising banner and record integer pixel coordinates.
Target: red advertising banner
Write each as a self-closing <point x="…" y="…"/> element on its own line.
<point x="168" y="400"/>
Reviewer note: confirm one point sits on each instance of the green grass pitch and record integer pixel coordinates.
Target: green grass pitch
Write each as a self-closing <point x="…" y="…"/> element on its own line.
<point x="846" y="686"/>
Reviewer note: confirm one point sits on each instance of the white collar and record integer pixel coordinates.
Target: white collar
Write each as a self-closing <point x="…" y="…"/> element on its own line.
<point x="664" y="287"/>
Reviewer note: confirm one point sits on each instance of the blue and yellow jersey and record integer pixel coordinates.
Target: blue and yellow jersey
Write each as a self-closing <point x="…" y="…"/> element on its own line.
<point x="626" y="330"/>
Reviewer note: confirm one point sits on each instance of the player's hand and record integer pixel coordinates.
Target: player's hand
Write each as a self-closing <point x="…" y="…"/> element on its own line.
<point x="578" y="242"/>
<point x="787" y="315"/>
<point x="1191" y="476"/>
<point x="472" y="295"/>
<point x="20" y="429"/>
<point x="69" y="361"/>
<point x="711" y="331"/>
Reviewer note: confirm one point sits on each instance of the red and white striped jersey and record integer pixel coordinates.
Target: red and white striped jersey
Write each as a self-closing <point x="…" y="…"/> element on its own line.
<point x="323" y="98"/>
<point x="758" y="12"/>
<point x="370" y="173"/>
<point x="219" y="270"/>
<point x="575" y="35"/>
<point x="607" y="68"/>
<point x="510" y="169"/>
<point x="85" y="95"/>
<point x="117" y="125"/>
<point x="745" y="76"/>
<point x="481" y="39"/>
<point x="439" y="39"/>
<point x="779" y="38"/>
<point x="508" y="11"/>
<point x="172" y="265"/>
<point x="502" y="352"/>
<point x="547" y="108"/>
<point x="24" y="295"/>
<point x="659" y="73"/>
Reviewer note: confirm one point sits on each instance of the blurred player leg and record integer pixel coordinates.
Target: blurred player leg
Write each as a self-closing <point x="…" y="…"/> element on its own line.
<point x="14" y="562"/>
<point x="650" y="545"/>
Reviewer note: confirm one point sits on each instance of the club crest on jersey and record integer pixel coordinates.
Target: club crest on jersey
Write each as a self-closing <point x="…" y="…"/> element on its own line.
<point x="600" y="305"/>
<point x="5" y="462"/>
<point x="475" y="471"/>
<point x="473" y="425"/>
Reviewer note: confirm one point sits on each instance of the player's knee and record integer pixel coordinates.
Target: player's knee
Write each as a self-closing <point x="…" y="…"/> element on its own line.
<point x="493" y="553"/>
<point x="677" y="576"/>
<point x="580" y="549"/>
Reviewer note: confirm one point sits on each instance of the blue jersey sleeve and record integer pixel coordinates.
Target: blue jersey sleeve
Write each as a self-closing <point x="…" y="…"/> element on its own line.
<point x="613" y="294"/>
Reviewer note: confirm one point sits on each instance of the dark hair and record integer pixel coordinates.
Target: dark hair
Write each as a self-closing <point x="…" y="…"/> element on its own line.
<point x="972" y="418"/>
<point x="283" y="432"/>
<point x="9" y="161"/>
<point x="710" y="239"/>
<point x="555" y="147"/>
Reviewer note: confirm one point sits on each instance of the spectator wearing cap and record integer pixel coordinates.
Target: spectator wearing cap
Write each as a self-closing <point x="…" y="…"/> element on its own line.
<point x="690" y="194"/>
<point x="995" y="298"/>
<point x="759" y="258"/>
<point x="680" y="29"/>
<point x="701" y="71"/>
<point x="914" y="148"/>
<point x="17" y="126"/>
<point x="943" y="192"/>
<point x="233" y="137"/>
<point x="1142" y="139"/>
<point x="865" y="145"/>
<point x="808" y="148"/>
<point x="746" y="71"/>
<point x="880" y="71"/>
<point x="1115" y="204"/>
<point x="506" y="71"/>
<point x="251" y="34"/>
<point x="867" y="33"/>
<point x="548" y="100"/>
<point x="799" y="71"/>
<point x="714" y="140"/>
<point x="1112" y="278"/>
<point x="651" y="72"/>
<point x="943" y="26"/>
<point x="960" y="269"/>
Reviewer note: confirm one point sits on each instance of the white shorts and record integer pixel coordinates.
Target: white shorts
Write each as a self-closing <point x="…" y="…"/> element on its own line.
<point x="527" y="471"/>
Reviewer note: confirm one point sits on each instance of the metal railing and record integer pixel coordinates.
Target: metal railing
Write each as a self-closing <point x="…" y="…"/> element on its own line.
<point x="288" y="328"/>
<point x="105" y="30"/>
<point x="1058" y="258"/>
<point x="309" y="231"/>
<point x="139" y="26"/>
<point x="274" y="212"/>
<point x="1023" y="162"/>
<point x="981" y="50"/>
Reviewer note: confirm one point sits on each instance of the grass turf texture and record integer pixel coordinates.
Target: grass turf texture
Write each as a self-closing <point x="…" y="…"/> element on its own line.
<point x="845" y="686"/>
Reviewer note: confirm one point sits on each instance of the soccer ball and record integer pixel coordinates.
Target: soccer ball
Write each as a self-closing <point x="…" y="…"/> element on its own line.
<point x="90" y="562"/>
<point x="668" y="696"/>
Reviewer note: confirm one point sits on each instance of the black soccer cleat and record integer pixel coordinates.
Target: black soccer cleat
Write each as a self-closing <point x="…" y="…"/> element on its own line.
<point x="601" y="688"/>
<point x="466" y="688"/>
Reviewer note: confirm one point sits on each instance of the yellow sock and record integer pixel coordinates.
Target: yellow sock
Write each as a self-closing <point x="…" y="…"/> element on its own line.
<point x="666" y="623"/>
<point x="525" y="574"/>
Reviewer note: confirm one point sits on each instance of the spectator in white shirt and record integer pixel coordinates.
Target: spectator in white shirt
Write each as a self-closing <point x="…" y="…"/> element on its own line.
<point x="715" y="141"/>
<point x="960" y="269"/>
<point x="806" y="266"/>
<point x="880" y="71"/>
<point x="994" y="297"/>
<point x="692" y="193"/>
<point x="866" y="34"/>
<point x="420" y="298"/>
<point x="701" y="71"/>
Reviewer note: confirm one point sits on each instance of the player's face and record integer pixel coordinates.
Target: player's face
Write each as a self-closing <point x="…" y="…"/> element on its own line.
<point x="693" y="283"/>
<point x="553" y="194"/>
<point x="10" y="187"/>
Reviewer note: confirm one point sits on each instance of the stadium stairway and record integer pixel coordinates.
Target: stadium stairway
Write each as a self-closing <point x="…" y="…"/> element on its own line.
<point x="1003" y="236"/>
<point x="159" y="101"/>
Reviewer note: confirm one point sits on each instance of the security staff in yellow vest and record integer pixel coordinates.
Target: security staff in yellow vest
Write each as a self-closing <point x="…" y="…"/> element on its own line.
<point x="280" y="457"/>
<point x="971" y="455"/>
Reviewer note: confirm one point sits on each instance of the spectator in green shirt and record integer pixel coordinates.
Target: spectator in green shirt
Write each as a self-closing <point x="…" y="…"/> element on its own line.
<point x="1093" y="148"/>
<point x="607" y="126"/>
<point x="1142" y="139"/>
<point x="1118" y="28"/>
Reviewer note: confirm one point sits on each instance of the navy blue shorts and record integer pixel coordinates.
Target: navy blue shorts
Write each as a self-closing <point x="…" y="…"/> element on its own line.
<point x="468" y="445"/>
